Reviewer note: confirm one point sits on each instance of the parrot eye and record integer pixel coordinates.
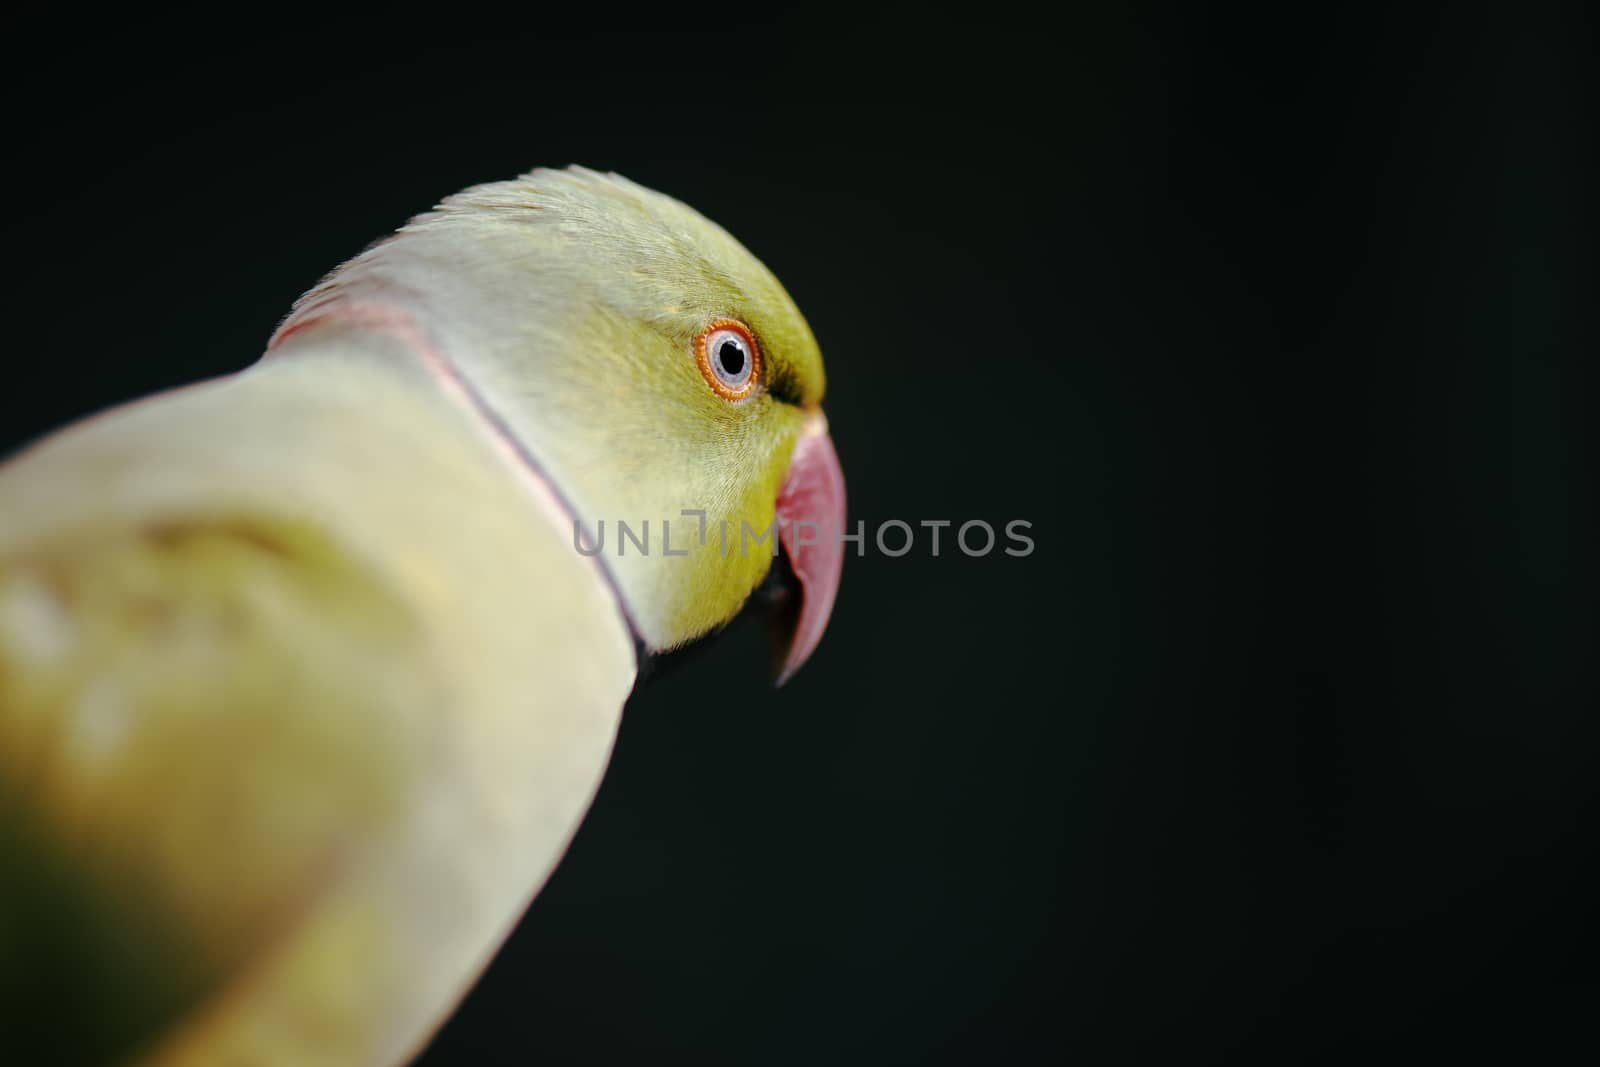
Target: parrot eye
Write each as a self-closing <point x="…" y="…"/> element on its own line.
<point x="729" y="359"/>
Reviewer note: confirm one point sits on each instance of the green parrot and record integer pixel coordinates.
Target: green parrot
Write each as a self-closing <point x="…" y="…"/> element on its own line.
<point x="308" y="674"/>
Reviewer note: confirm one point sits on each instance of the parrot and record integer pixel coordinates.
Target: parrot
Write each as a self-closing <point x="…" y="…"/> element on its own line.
<point x="309" y="673"/>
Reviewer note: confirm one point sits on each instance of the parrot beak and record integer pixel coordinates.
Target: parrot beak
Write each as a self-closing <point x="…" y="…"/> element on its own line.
<point x="810" y="514"/>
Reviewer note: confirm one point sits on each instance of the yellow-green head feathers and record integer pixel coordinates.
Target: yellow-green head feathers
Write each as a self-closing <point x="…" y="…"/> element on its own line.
<point x="573" y="309"/>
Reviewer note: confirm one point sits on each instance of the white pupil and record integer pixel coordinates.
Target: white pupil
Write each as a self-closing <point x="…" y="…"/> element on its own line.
<point x="729" y="357"/>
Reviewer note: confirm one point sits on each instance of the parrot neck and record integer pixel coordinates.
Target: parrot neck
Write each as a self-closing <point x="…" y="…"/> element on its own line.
<point x="332" y="318"/>
<point x="342" y="423"/>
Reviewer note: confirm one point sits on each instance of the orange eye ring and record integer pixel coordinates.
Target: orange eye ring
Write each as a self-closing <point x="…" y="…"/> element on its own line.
<point x="721" y="345"/>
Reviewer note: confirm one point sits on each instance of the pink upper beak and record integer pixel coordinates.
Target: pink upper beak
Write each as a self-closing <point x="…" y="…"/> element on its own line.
<point x="810" y="525"/>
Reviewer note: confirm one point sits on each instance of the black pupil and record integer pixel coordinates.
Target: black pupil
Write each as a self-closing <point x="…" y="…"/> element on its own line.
<point x="731" y="353"/>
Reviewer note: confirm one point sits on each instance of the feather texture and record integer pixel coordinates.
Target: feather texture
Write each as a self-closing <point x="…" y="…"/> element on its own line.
<point x="300" y="701"/>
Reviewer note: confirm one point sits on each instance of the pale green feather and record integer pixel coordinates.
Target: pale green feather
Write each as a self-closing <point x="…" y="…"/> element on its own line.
<point x="292" y="673"/>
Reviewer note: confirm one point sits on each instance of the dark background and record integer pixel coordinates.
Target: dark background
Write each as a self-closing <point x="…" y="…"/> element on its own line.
<point x="1279" y="329"/>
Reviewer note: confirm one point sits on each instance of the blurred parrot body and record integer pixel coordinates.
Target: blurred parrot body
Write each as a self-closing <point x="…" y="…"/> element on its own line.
<point x="303" y="686"/>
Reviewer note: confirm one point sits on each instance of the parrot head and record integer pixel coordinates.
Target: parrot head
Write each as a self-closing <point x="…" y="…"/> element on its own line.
<point x="640" y="365"/>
